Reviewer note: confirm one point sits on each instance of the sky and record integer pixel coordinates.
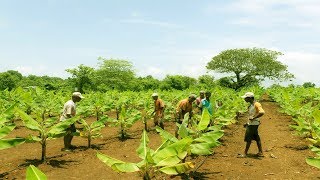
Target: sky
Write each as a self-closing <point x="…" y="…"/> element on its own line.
<point x="167" y="37"/>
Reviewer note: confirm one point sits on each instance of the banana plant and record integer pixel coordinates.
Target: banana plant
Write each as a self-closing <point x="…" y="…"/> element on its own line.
<point x="34" y="173"/>
<point x="93" y="130"/>
<point x="146" y="112"/>
<point x="46" y="127"/>
<point x="127" y="118"/>
<point x="166" y="159"/>
<point x="204" y="138"/>
<point x="5" y="129"/>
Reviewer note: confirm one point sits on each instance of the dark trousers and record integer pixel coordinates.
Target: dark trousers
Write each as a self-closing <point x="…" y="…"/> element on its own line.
<point x="68" y="137"/>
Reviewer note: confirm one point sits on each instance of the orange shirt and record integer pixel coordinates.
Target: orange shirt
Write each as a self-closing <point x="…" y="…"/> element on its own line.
<point x="185" y="107"/>
<point x="158" y="106"/>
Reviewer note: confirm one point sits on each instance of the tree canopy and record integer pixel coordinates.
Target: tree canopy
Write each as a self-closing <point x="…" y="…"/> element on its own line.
<point x="249" y="65"/>
<point x="114" y="74"/>
<point x="82" y="75"/>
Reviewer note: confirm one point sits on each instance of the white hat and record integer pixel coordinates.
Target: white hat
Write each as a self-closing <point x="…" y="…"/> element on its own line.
<point x="154" y="95"/>
<point x="248" y="94"/>
<point x="77" y="94"/>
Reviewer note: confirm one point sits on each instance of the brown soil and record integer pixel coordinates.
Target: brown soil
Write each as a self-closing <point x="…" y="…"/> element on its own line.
<point x="284" y="153"/>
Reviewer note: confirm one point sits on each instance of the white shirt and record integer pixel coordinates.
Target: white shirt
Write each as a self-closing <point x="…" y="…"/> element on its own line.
<point x="69" y="108"/>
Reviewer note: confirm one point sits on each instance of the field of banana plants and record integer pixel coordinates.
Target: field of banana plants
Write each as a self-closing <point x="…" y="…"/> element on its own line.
<point x="116" y="136"/>
<point x="303" y="105"/>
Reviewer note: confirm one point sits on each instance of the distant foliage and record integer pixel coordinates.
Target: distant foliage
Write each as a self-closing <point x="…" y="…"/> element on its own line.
<point x="308" y="85"/>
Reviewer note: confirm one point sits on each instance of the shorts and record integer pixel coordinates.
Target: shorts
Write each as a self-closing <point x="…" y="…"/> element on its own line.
<point x="252" y="133"/>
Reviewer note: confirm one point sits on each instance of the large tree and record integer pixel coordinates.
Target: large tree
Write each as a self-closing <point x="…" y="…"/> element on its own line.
<point x="249" y="65"/>
<point x="114" y="74"/>
<point x="82" y="75"/>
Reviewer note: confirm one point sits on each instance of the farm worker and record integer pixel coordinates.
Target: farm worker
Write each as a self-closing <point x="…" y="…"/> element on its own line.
<point x="69" y="110"/>
<point x="158" y="112"/>
<point x="199" y="99"/>
<point x="184" y="106"/>
<point x="255" y="111"/>
<point x="205" y="103"/>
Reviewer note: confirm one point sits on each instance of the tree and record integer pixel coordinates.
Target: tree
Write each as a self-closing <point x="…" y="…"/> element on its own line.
<point x="206" y="81"/>
<point x="7" y="81"/>
<point x="82" y="75"/>
<point x="249" y="65"/>
<point x="308" y="85"/>
<point x="177" y="82"/>
<point x="145" y="83"/>
<point x="114" y="74"/>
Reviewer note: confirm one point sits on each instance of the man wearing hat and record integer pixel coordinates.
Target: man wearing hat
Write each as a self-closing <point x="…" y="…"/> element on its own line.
<point x="69" y="111"/>
<point x="158" y="110"/>
<point x="184" y="107"/>
<point x="255" y="111"/>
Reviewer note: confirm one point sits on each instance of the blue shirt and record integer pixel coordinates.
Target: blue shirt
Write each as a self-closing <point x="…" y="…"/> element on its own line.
<point x="206" y="104"/>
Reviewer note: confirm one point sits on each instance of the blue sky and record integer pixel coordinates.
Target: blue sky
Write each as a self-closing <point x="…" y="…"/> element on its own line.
<point x="45" y="37"/>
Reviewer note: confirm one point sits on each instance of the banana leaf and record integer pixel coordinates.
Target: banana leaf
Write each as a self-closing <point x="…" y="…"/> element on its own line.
<point x="165" y="135"/>
<point x="315" y="162"/>
<point x="29" y="122"/>
<point x="59" y="129"/>
<point x="143" y="149"/>
<point x="176" y="149"/>
<point x="201" y="149"/>
<point x="4" y="131"/>
<point x="34" y="173"/>
<point x="316" y="115"/>
<point x="8" y="143"/>
<point x="177" y="169"/>
<point x="205" y="120"/>
<point x="117" y="165"/>
<point x="3" y="118"/>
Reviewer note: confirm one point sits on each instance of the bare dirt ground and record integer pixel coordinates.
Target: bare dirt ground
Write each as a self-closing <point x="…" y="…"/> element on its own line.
<point x="284" y="153"/>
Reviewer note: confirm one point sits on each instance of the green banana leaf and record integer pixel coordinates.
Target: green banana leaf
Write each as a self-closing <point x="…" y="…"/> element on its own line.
<point x="118" y="165"/>
<point x="143" y="150"/>
<point x="32" y="139"/>
<point x="59" y="129"/>
<point x="3" y="118"/>
<point x="201" y="149"/>
<point x="176" y="149"/>
<point x="99" y="124"/>
<point x="177" y="169"/>
<point x="34" y="173"/>
<point x="313" y="162"/>
<point x="29" y="122"/>
<point x="316" y="115"/>
<point x="8" y="143"/>
<point x="205" y="120"/>
<point x="165" y="135"/>
<point x="4" y="131"/>
<point x="183" y="131"/>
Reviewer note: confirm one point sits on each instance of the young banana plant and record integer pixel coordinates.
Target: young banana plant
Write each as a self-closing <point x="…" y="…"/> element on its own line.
<point x="6" y="128"/>
<point x="126" y="119"/>
<point x="204" y="139"/>
<point x="166" y="159"/>
<point x="46" y="127"/>
<point x="93" y="130"/>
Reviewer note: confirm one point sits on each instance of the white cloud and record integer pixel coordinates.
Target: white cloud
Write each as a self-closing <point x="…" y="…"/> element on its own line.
<point x="305" y="66"/>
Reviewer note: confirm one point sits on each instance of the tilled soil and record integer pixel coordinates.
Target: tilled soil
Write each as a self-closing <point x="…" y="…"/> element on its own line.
<point x="285" y="154"/>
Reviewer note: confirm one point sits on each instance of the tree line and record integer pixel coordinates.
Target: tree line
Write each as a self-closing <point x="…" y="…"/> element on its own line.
<point x="245" y="67"/>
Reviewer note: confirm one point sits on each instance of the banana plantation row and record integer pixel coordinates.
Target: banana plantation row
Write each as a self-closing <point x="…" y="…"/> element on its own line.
<point x="39" y="110"/>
